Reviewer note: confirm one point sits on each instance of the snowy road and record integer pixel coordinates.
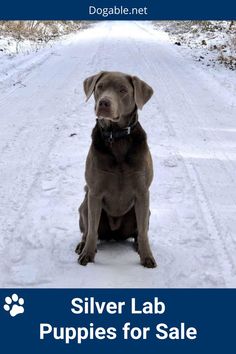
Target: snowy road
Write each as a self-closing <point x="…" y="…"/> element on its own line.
<point x="191" y="128"/>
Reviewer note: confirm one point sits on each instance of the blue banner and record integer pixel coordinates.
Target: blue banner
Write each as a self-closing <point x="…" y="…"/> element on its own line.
<point x="117" y="320"/>
<point x="152" y="321"/>
<point x="118" y="10"/>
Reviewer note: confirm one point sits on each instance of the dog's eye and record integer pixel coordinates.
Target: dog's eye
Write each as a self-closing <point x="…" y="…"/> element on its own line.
<point x="100" y="86"/>
<point x="123" y="90"/>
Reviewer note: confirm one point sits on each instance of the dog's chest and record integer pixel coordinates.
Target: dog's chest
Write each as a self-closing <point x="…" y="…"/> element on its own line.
<point x="120" y="152"/>
<point x="119" y="194"/>
<point x="115" y="178"/>
<point x="118" y="190"/>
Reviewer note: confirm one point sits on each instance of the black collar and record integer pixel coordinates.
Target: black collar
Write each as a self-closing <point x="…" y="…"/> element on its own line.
<point x="110" y="135"/>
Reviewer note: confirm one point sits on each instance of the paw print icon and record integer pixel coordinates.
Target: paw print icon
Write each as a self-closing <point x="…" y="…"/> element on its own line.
<point x="14" y="305"/>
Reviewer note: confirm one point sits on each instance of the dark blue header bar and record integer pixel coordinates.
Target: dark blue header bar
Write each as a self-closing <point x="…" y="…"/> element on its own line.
<point x="118" y="10"/>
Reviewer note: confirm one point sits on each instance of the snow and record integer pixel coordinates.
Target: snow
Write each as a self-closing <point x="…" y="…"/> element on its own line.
<point x="219" y="48"/>
<point x="45" y="130"/>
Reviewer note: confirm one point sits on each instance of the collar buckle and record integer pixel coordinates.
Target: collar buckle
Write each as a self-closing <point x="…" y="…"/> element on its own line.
<point x="110" y="137"/>
<point x="128" y="129"/>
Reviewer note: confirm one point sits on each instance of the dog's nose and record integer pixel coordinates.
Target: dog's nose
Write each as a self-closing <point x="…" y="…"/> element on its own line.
<point x="104" y="103"/>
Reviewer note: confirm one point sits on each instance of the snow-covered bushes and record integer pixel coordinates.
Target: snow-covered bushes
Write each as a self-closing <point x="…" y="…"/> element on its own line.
<point x="214" y="41"/>
<point x="18" y="36"/>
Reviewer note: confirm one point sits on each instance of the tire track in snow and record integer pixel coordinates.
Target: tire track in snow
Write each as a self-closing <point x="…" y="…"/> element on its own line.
<point x="214" y="230"/>
<point x="21" y="72"/>
<point x="26" y="193"/>
<point x="15" y="233"/>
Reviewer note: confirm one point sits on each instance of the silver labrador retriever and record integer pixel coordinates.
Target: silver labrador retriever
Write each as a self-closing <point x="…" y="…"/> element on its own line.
<point x="118" y="167"/>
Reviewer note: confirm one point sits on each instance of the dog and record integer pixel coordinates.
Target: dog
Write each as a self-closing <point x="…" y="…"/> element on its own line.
<point x="119" y="167"/>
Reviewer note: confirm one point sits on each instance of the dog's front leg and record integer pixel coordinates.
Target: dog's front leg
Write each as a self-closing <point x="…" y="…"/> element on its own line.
<point x="94" y="214"/>
<point x="142" y="217"/>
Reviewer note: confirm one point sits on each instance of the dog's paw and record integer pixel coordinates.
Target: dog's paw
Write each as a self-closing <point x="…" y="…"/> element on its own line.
<point x="86" y="257"/>
<point x="148" y="262"/>
<point x="80" y="247"/>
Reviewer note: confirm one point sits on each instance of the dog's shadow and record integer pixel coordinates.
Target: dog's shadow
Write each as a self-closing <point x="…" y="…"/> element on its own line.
<point x="115" y="245"/>
<point x="116" y="251"/>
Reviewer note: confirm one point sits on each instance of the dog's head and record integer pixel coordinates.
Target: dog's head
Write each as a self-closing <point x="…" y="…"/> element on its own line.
<point x="116" y="95"/>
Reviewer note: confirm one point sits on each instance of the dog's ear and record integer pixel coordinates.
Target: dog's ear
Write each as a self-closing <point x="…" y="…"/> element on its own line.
<point x="89" y="84"/>
<point x="142" y="92"/>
